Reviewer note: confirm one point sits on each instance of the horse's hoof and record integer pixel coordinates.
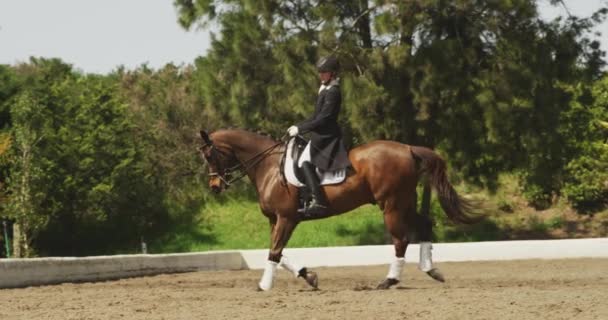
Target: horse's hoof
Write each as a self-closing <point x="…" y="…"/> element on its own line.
<point x="259" y="289"/>
<point x="435" y="274"/>
<point x="387" y="283"/>
<point x="312" y="279"/>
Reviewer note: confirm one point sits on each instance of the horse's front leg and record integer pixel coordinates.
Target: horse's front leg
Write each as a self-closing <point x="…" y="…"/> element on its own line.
<point x="281" y="231"/>
<point x="300" y="272"/>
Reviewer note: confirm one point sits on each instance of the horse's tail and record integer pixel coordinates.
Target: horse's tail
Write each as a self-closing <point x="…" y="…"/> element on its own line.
<point x="458" y="209"/>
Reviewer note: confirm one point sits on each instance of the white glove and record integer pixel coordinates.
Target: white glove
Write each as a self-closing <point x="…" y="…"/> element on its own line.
<point x="292" y="131"/>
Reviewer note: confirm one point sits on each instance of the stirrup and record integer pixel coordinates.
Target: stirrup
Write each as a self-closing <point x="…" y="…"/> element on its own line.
<point x="313" y="211"/>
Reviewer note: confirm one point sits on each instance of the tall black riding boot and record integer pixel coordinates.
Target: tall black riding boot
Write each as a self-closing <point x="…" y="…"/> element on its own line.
<point x="318" y="205"/>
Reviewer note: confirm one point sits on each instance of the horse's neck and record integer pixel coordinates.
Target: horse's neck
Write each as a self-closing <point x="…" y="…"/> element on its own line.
<point x="248" y="148"/>
<point x="246" y="145"/>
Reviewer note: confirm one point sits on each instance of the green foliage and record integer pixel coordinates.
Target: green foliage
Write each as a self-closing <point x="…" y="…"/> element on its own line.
<point x="8" y="87"/>
<point x="538" y="196"/>
<point x="586" y="185"/>
<point x="587" y="188"/>
<point x="483" y="82"/>
<point x="555" y="223"/>
<point x="167" y="114"/>
<point x="79" y="183"/>
<point x="236" y="223"/>
<point x="489" y="84"/>
<point x="505" y="206"/>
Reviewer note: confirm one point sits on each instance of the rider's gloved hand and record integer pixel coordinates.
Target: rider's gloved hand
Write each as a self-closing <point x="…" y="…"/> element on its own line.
<point x="292" y="131"/>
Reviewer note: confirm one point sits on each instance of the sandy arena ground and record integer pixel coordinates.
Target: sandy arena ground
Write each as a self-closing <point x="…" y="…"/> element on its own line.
<point x="530" y="289"/>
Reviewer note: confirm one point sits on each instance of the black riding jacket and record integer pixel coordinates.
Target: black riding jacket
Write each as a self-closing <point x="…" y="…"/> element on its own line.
<point x="327" y="150"/>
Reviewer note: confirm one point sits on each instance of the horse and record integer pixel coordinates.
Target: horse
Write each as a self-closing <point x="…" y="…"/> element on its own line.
<point x="385" y="173"/>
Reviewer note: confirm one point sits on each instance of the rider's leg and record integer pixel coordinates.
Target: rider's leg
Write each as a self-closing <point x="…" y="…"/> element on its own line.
<point x="318" y="205"/>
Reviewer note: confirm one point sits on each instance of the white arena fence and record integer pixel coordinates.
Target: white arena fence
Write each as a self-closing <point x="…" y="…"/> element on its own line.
<point x="16" y="273"/>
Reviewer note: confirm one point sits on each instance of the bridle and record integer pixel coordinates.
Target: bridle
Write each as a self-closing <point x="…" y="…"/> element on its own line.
<point x="243" y="166"/>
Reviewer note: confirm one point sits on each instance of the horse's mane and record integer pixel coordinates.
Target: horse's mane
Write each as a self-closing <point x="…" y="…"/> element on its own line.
<point x="253" y="131"/>
<point x="263" y="134"/>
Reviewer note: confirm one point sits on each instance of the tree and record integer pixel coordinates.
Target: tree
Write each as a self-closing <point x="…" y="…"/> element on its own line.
<point x="78" y="175"/>
<point x="482" y="81"/>
<point x="5" y="143"/>
<point x="586" y="174"/>
<point x="8" y="87"/>
<point x="25" y="181"/>
<point x="167" y="112"/>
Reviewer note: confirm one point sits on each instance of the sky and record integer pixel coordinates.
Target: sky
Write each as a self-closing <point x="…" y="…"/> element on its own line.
<point x="97" y="36"/>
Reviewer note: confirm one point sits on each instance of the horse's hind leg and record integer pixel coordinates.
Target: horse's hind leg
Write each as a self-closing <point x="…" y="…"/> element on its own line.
<point x="424" y="227"/>
<point x="394" y="220"/>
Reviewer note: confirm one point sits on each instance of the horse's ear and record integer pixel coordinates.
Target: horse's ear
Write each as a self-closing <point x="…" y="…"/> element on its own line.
<point x="205" y="137"/>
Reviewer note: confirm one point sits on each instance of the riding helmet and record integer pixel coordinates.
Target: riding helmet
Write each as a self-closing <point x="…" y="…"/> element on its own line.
<point x="328" y="64"/>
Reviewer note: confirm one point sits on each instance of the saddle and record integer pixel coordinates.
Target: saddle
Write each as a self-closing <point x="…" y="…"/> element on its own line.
<point x="295" y="154"/>
<point x="299" y="144"/>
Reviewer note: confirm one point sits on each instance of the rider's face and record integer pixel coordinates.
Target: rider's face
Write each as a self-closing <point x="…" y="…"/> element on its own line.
<point x="325" y="77"/>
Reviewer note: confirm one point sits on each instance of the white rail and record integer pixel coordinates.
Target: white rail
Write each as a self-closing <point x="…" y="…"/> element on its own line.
<point x="40" y="271"/>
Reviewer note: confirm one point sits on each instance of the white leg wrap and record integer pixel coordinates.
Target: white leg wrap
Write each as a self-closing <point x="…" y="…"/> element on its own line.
<point x="394" y="271"/>
<point x="289" y="266"/>
<point x="426" y="259"/>
<point x="268" y="276"/>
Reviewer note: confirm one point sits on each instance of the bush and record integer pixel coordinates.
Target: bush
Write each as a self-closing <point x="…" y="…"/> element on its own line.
<point x="586" y="176"/>
<point x="537" y="196"/>
<point x="587" y="185"/>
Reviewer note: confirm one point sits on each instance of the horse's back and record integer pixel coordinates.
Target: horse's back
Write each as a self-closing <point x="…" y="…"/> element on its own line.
<point x="383" y="158"/>
<point x="380" y="150"/>
<point x="388" y="169"/>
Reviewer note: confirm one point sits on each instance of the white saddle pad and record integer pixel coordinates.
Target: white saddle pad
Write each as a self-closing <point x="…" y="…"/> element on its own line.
<point x="328" y="177"/>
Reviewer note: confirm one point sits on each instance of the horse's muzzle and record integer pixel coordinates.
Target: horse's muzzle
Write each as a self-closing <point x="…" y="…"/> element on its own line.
<point x="216" y="189"/>
<point x="216" y="185"/>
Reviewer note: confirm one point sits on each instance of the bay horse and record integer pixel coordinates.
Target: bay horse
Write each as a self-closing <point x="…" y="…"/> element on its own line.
<point x="385" y="173"/>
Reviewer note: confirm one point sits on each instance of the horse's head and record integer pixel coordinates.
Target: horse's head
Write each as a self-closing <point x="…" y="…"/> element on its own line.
<point x="220" y="161"/>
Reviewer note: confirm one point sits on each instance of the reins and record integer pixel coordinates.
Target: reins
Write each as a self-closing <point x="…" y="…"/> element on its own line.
<point x="243" y="166"/>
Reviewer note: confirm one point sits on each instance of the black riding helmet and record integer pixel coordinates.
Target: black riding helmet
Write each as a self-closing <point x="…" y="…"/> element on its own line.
<point x="328" y="64"/>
